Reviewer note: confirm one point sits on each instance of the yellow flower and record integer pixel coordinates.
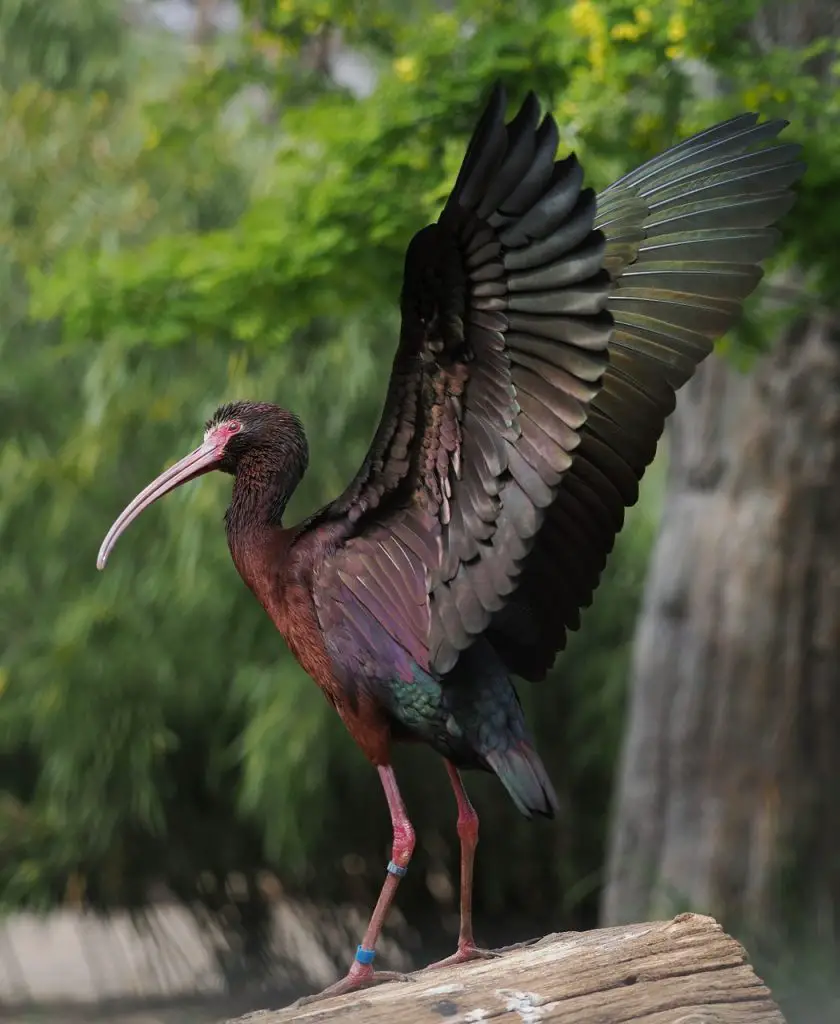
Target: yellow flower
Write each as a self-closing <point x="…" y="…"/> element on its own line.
<point x="405" y="68"/>
<point x="646" y="124"/>
<point x="757" y="94"/>
<point x="598" y="56"/>
<point x="626" y="30"/>
<point x="674" y="52"/>
<point x="584" y="17"/>
<point x="588" y="22"/>
<point x="643" y="17"/>
<point x="676" y="28"/>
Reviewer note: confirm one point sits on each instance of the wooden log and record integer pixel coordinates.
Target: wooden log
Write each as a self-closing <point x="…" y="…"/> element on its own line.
<point x="685" y="971"/>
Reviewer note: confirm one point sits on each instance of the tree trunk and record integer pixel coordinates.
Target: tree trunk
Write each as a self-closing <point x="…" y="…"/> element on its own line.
<point x="727" y="800"/>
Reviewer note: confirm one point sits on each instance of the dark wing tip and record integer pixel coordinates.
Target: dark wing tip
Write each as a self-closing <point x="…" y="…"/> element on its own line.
<point x="498" y="94"/>
<point x="780" y="123"/>
<point x="686" y="234"/>
<point x="494" y="108"/>
<point x="531" y="101"/>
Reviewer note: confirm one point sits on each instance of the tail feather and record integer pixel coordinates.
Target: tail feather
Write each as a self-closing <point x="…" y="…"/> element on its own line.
<point x="523" y="775"/>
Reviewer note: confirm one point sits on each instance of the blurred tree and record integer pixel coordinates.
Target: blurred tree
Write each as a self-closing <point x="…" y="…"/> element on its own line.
<point x="93" y="741"/>
<point x="64" y="45"/>
<point x="233" y="224"/>
<point x="726" y="798"/>
<point x="726" y="801"/>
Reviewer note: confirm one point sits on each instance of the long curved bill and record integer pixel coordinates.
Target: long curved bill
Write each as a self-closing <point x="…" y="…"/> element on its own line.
<point x="204" y="459"/>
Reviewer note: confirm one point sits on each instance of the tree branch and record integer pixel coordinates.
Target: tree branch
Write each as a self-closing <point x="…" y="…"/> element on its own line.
<point x="685" y="971"/>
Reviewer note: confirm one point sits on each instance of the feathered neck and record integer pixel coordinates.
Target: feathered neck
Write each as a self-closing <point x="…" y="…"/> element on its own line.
<point x="266" y="477"/>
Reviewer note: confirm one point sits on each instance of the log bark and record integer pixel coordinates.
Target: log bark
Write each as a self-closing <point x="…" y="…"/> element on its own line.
<point x="685" y="971"/>
<point x="727" y="794"/>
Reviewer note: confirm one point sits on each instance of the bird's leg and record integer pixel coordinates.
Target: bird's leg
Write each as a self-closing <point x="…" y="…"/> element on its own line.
<point x="468" y="834"/>
<point x="361" y="972"/>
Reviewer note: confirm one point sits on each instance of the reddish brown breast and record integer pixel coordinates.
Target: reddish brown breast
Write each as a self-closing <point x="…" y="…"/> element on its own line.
<point x="278" y="568"/>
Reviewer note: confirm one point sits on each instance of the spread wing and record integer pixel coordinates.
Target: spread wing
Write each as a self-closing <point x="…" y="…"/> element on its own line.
<point x="517" y="426"/>
<point x="685" y="235"/>
<point x="503" y="344"/>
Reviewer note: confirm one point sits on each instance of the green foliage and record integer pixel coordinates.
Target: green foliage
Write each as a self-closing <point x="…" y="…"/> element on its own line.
<point x="170" y="243"/>
<point x="72" y="44"/>
<point x="354" y="178"/>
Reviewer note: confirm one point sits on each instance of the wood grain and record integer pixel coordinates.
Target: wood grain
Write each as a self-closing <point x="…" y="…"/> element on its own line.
<point x="685" y="971"/>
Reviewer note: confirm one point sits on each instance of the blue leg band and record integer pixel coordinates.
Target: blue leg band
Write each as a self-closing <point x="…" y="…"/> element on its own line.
<point x="365" y="956"/>
<point x="395" y="869"/>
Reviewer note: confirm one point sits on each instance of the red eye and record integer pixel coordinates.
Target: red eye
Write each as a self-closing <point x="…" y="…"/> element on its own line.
<point x="233" y="426"/>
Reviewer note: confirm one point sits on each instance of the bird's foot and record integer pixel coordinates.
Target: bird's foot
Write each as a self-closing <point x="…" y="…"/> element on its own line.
<point x="465" y="952"/>
<point x="359" y="976"/>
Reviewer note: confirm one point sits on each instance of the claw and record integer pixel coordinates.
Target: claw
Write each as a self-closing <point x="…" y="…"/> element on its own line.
<point x="463" y="955"/>
<point x="359" y="976"/>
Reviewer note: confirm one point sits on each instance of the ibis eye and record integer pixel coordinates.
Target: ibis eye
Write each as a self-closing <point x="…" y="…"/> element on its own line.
<point x="233" y="426"/>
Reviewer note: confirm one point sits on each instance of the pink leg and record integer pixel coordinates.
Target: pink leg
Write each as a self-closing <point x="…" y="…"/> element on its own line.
<point x="361" y="972"/>
<point x="468" y="834"/>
